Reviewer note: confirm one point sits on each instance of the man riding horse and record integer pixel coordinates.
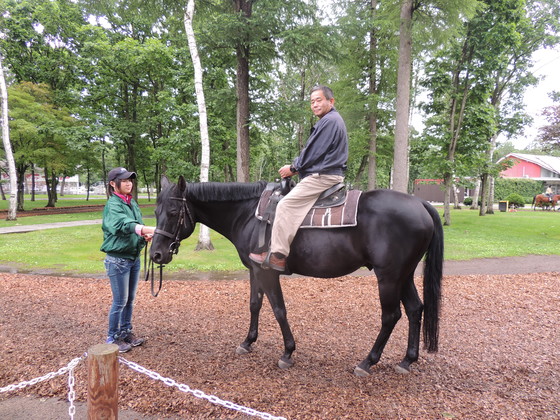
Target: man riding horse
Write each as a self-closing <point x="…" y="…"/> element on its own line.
<point x="320" y="165"/>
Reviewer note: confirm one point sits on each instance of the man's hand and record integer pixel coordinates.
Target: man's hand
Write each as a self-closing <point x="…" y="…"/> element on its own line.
<point x="285" y="171"/>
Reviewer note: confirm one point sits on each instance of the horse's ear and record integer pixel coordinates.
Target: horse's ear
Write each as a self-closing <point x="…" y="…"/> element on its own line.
<point x="164" y="182"/>
<point x="182" y="184"/>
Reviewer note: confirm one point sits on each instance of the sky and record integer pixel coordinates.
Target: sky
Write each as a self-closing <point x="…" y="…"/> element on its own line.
<point x="547" y="66"/>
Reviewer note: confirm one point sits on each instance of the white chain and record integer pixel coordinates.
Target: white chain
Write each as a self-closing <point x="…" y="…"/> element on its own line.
<point x="71" y="394"/>
<point x="197" y="393"/>
<point x="154" y="375"/>
<point x="48" y="376"/>
<point x="68" y="368"/>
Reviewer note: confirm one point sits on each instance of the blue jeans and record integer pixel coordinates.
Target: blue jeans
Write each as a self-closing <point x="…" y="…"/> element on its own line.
<point x="123" y="275"/>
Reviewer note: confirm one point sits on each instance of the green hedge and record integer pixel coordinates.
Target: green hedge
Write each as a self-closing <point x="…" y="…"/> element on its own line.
<point x="527" y="188"/>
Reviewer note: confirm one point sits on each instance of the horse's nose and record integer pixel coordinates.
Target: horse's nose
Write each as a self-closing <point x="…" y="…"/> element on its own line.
<point x="156" y="257"/>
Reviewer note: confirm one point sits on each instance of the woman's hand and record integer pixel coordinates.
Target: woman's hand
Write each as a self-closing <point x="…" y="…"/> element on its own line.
<point x="148" y="232"/>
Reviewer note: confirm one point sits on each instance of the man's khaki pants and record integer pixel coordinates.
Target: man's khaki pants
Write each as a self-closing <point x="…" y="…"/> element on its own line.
<point x="293" y="208"/>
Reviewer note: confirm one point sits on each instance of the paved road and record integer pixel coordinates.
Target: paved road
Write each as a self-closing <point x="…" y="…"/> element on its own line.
<point x="31" y="228"/>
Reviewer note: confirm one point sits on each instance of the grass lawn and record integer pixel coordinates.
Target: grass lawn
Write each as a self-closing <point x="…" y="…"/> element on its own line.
<point x="502" y="234"/>
<point x="76" y="249"/>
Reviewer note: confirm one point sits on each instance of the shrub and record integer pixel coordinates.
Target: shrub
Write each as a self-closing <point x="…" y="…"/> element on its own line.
<point x="516" y="200"/>
<point x="467" y="201"/>
<point x="503" y="187"/>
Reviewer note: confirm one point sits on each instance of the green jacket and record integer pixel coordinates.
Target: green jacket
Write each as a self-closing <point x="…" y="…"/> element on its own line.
<point x="119" y="221"/>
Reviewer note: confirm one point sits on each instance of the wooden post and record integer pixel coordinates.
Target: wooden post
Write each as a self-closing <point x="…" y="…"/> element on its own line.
<point x="103" y="374"/>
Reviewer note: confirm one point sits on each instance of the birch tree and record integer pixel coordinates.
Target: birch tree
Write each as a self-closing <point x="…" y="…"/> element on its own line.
<point x="204" y="235"/>
<point x="12" y="206"/>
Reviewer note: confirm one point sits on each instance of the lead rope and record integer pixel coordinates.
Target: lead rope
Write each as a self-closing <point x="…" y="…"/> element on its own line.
<point x="150" y="269"/>
<point x="174" y="247"/>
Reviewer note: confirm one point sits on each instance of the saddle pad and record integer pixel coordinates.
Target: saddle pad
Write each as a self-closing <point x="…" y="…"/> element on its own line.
<point x="343" y="215"/>
<point x="328" y="217"/>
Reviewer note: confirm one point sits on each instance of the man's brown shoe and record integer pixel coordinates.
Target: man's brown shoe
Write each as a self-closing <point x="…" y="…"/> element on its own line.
<point x="276" y="261"/>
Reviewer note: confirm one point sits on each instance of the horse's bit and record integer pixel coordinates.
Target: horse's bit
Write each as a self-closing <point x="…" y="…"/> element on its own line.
<point x="173" y="247"/>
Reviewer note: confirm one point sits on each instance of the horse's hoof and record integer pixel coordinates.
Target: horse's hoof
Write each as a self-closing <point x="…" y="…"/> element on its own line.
<point x="401" y="369"/>
<point x="285" y="364"/>
<point x="358" y="371"/>
<point x="242" y="350"/>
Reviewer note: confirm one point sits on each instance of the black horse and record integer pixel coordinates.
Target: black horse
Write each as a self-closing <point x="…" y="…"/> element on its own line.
<point x="394" y="232"/>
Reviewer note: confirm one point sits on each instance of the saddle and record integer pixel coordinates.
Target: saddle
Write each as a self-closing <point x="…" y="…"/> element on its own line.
<point x="335" y="207"/>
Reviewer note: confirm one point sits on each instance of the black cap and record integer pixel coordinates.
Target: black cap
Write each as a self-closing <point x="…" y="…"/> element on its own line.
<point x="120" y="173"/>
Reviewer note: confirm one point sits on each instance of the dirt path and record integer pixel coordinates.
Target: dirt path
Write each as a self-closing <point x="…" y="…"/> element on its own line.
<point x="498" y="357"/>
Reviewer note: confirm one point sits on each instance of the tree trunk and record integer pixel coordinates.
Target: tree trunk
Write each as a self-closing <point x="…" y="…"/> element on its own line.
<point x="13" y="204"/>
<point x="372" y="149"/>
<point x="243" y="101"/>
<point x="456" y="117"/>
<point x="448" y="184"/>
<point x="147" y="184"/>
<point x="400" y="159"/>
<point x="50" y="182"/>
<point x="21" y="168"/>
<point x="361" y="170"/>
<point x="33" y="186"/>
<point x="483" y="193"/>
<point x="204" y="241"/>
<point x="88" y="183"/>
<point x="475" y="196"/>
<point x="131" y="157"/>
<point x="456" y="205"/>
<point x="490" y="209"/>
<point x="104" y="169"/>
<point x="300" y="126"/>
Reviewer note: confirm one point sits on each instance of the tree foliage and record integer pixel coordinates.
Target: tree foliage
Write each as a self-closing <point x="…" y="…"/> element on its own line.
<point x="476" y="86"/>
<point x="549" y="135"/>
<point x="120" y="83"/>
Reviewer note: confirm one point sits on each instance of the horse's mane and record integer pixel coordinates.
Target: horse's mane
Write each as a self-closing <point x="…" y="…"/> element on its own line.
<point x="225" y="191"/>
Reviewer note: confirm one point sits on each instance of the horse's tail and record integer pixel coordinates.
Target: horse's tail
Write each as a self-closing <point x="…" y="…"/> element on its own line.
<point x="433" y="271"/>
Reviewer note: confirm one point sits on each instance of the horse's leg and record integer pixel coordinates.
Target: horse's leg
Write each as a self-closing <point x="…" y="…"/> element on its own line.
<point x="413" y="307"/>
<point x="270" y="280"/>
<point x="255" y="304"/>
<point x="389" y="296"/>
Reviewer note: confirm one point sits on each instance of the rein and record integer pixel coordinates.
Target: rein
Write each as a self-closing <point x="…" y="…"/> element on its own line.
<point x="150" y="269"/>
<point x="173" y="247"/>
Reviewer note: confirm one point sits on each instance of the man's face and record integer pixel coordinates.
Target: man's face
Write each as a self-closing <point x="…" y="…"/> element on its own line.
<point x="319" y="104"/>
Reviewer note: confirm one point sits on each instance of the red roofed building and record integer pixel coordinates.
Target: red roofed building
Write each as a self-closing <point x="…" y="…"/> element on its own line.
<point x="538" y="167"/>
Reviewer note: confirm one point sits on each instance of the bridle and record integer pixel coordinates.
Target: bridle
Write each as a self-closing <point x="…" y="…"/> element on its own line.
<point x="181" y="223"/>
<point x="185" y="216"/>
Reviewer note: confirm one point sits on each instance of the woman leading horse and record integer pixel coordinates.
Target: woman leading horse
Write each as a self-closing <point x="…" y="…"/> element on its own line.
<point x="394" y="232"/>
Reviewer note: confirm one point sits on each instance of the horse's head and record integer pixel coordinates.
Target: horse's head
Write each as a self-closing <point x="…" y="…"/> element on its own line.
<point x="174" y="220"/>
